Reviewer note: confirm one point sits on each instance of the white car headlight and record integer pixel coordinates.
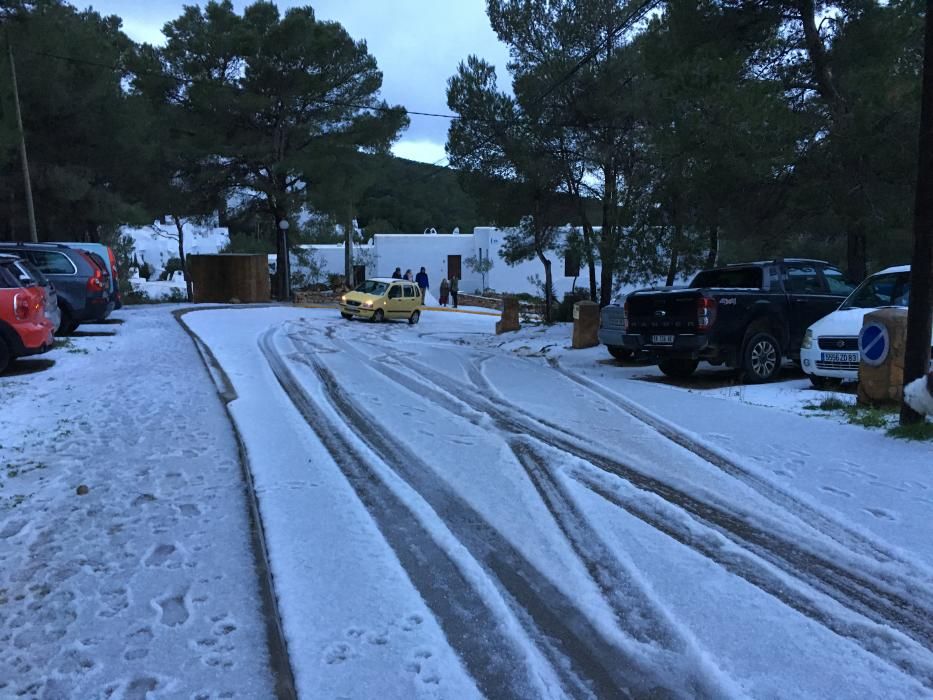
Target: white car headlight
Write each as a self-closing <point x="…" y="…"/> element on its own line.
<point x="367" y="304"/>
<point x="807" y="340"/>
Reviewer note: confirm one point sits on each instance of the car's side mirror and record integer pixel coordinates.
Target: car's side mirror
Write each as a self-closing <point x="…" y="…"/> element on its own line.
<point x="27" y="280"/>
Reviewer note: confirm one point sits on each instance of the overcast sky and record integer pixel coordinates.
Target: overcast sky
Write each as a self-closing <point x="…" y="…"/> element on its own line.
<point x="417" y="43"/>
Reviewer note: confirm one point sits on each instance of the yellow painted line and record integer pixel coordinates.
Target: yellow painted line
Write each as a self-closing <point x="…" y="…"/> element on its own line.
<point x="423" y="308"/>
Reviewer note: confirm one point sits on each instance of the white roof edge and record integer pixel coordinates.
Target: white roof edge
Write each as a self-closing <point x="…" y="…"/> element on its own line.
<point x="896" y="268"/>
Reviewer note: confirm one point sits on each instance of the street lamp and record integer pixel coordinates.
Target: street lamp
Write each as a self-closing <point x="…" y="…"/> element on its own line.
<point x="285" y="292"/>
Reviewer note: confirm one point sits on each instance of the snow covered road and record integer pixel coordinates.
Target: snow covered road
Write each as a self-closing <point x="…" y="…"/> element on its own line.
<point x="447" y="518"/>
<point x="145" y="586"/>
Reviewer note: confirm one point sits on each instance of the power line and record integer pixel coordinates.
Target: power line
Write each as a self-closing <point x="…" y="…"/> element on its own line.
<point x="209" y="83"/>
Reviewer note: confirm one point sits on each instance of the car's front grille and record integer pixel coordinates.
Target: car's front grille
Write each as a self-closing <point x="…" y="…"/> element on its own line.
<point x="353" y="303"/>
<point x="850" y="366"/>
<point x="828" y="342"/>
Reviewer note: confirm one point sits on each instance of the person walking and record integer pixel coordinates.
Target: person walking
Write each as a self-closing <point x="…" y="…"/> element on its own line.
<point x="422" y="279"/>
<point x="407" y="276"/>
<point x="454" y="288"/>
<point x="397" y="275"/>
<point x="445" y="289"/>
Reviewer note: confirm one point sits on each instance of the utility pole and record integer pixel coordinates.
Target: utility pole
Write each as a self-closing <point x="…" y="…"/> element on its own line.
<point x="920" y="312"/>
<point x="30" y="211"/>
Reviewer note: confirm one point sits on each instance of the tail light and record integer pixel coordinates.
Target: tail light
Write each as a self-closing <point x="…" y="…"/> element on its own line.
<point x="21" y="304"/>
<point x="95" y="283"/>
<point x="625" y="323"/>
<point x="706" y="313"/>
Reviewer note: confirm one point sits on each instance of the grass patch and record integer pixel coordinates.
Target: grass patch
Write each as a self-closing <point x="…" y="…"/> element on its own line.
<point x="921" y="432"/>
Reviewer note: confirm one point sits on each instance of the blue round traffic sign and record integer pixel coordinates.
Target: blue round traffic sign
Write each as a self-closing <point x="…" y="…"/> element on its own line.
<point x="874" y="344"/>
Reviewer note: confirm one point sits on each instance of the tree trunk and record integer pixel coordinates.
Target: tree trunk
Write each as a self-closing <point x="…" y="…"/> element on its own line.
<point x="607" y="248"/>
<point x="590" y="258"/>
<point x="675" y="254"/>
<point x="348" y="247"/>
<point x="548" y="284"/>
<point x="712" y="255"/>
<point x="856" y="254"/>
<point x="920" y="303"/>
<point x="180" y="227"/>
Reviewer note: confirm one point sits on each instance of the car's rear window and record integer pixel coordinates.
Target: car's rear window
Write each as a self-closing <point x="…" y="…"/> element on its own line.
<point x="33" y="272"/>
<point x="729" y="278"/>
<point x="8" y="276"/>
<point x="51" y="262"/>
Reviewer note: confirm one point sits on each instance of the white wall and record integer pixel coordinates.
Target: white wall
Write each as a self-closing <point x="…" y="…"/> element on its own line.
<point x="413" y="251"/>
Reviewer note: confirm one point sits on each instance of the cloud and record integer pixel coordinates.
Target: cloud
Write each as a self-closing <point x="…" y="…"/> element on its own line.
<point x="418" y="45"/>
<point x="424" y="151"/>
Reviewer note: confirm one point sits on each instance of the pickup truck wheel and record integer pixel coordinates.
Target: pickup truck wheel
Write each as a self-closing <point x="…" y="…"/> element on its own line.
<point x="678" y="368"/>
<point x="761" y="361"/>
<point x="620" y="353"/>
<point x="5" y="356"/>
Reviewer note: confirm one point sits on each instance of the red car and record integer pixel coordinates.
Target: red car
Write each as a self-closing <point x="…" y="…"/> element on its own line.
<point x="24" y="327"/>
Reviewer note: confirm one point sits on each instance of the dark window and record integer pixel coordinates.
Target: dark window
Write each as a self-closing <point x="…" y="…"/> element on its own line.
<point x="52" y="262"/>
<point x="409" y="291"/>
<point x="729" y="278"/>
<point x="8" y="277"/>
<point x="838" y="284"/>
<point x="891" y="289"/>
<point x="803" y="279"/>
<point x="395" y="291"/>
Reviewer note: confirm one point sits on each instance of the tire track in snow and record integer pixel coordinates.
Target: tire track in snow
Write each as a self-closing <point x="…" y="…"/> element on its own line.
<point x="813" y="517"/>
<point x="564" y="634"/>
<point x="899" y="647"/>
<point x="909" y="610"/>
<point x="492" y="657"/>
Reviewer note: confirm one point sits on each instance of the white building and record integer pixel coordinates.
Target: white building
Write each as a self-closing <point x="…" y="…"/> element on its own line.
<point x="445" y="255"/>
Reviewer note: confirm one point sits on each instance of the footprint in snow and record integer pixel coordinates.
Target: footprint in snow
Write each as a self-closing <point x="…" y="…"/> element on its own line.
<point x="337" y="653"/>
<point x="160" y="554"/>
<point x="412" y="622"/>
<point x="880" y="513"/>
<point x="174" y="611"/>
<point x="835" y="491"/>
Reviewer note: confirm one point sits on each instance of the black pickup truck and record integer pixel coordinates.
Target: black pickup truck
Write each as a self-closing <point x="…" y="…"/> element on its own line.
<point x="749" y="316"/>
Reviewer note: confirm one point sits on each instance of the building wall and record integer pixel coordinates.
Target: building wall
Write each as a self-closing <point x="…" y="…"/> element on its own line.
<point x="413" y="251"/>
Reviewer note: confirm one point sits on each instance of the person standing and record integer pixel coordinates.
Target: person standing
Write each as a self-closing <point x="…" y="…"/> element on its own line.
<point x="397" y="275"/>
<point x="454" y="288"/>
<point x="422" y="279"/>
<point x="407" y="276"/>
<point x="445" y="289"/>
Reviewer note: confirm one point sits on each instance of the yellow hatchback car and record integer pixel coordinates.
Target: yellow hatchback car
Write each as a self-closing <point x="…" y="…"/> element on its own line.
<point x="380" y="298"/>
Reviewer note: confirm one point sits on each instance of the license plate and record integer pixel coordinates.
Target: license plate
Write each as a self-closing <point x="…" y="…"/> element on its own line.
<point x="662" y="339"/>
<point x="840" y="357"/>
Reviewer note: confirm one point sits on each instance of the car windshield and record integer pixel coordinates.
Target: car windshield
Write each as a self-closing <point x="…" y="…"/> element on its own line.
<point x="729" y="278"/>
<point x="886" y="289"/>
<point x="372" y="287"/>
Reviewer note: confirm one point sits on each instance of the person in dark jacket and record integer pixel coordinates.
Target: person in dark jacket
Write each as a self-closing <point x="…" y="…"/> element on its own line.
<point x="422" y="279"/>
<point x="445" y="289"/>
<point x="397" y="275"/>
<point x="454" y="288"/>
